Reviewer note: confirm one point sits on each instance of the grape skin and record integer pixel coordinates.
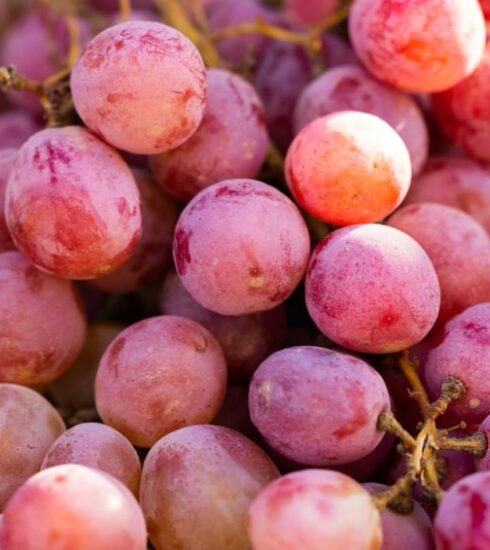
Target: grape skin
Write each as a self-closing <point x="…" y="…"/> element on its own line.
<point x="93" y="222"/>
<point x="100" y="447"/>
<point x="197" y="485"/>
<point x="371" y="288"/>
<point x="7" y="158"/>
<point x="231" y="141"/>
<point x="314" y="510"/>
<point x="341" y="176"/>
<point x="75" y="507"/>
<point x="416" y="45"/>
<point x="28" y="426"/>
<point x="42" y="328"/>
<point x="240" y="247"/>
<point x="448" y="235"/>
<point x="352" y="88"/>
<point x="159" y="375"/>
<point x="141" y="86"/>
<point x="292" y="397"/>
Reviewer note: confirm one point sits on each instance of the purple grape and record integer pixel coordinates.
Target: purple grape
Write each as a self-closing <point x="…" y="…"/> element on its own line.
<point x="231" y="141"/>
<point x="372" y="288"/>
<point x="318" y="407"/>
<point x="7" y="158"/>
<point x="241" y="247"/>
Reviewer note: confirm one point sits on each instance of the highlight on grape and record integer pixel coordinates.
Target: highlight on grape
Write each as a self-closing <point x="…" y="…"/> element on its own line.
<point x="244" y="275"/>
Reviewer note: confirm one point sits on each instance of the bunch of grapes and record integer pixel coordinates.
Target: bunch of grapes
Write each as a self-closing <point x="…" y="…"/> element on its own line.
<point x="244" y="275"/>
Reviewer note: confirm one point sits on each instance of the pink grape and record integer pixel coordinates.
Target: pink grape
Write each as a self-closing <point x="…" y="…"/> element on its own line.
<point x="42" y="327"/>
<point x="15" y="128"/>
<point x="404" y="531"/>
<point x="7" y="158"/>
<point x="352" y="88"/>
<point x="231" y="141"/>
<point x="100" y="447"/>
<point x="141" y="86"/>
<point x="447" y="235"/>
<point x="454" y="181"/>
<point x="418" y="46"/>
<point x="314" y="510"/>
<point x="159" y="375"/>
<point x="240" y="247"/>
<point x="28" y="426"/>
<point x="340" y="175"/>
<point x="153" y="254"/>
<point x="316" y="406"/>
<point x="76" y="507"/>
<point x="72" y="205"/>
<point x="484" y="462"/>
<point x="246" y="340"/>
<point x="197" y="485"/>
<point x="460" y="522"/>
<point x="372" y="288"/>
<point x="310" y="13"/>
<point x="74" y="390"/>
<point x="464" y="352"/>
<point x="463" y="111"/>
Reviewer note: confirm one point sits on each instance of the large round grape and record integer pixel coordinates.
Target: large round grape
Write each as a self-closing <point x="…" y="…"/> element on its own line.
<point x="316" y="406"/>
<point x="7" y="158"/>
<point x="42" y="327"/>
<point x="159" y="375"/>
<point x="141" y="86"/>
<point x="418" y="45"/>
<point x="461" y="521"/>
<point x="97" y="446"/>
<point x="29" y="424"/>
<point x="241" y="247"/>
<point x="231" y="141"/>
<point x="72" y="205"/>
<point x="352" y="88"/>
<point x="76" y="507"/>
<point x="459" y="249"/>
<point x="197" y="485"/>
<point x="372" y="288"/>
<point x="340" y="175"/>
<point x="463" y="351"/>
<point x="463" y="111"/>
<point x="455" y="181"/>
<point x="314" y="510"/>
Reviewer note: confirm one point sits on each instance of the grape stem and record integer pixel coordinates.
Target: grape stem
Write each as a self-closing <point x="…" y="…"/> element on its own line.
<point x="124" y="10"/>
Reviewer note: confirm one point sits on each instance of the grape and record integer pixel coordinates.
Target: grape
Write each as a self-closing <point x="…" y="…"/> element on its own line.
<point x="159" y="375"/>
<point x="74" y="390"/>
<point x="240" y="247"/>
<point x="336" y="51"/>
<point x="7" y="158"/>
<point x="311" y="12"/>
<point x="341" y="176"/>
<point x="197" y="485"/>
<point x="42" y="328"/>
<point x="28" y="426"/>
<point x="404" y="531"/>
<point x="448" y="235"/>
<point x="15" y="128"/>
<point x="352" y="88"/>
<point x="100" y="447"/>
<point x="416" y="45"/>
<point x="463" y="111"/>
<point x="316" y="406"/>
<point x="314" y="510"/>
<point x="141" y="86"/>
<point x="485" y="5"/>
<point x="72" y="205"/>
<point x="461" y="521"/>
<point x="458" y="182"/>
<point x="246" y="340"/>
<point x="372" y="288"/>
<point x="231" y="141"/>
<point x="154" y="252"/>
<point x="463" y="352"/>
<point x="72" y="506"/>
<point x="484" y="462"/>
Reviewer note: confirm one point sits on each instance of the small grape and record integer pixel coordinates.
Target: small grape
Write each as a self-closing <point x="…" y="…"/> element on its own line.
<point x="314" y="510"/>
<point x="340" y="175"/>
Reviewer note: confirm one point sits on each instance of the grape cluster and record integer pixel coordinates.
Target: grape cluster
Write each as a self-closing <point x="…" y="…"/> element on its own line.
<point x="244" y="275"/>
